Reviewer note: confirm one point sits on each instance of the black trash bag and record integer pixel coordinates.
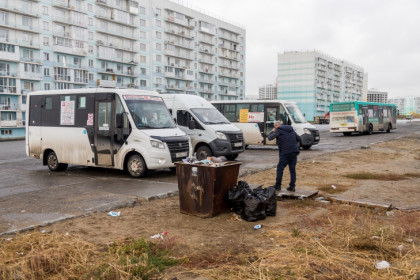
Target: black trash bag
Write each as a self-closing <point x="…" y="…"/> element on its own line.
<point x="237" y="194"/>
<point x="268" y="195"/>
<point x="254" y="208"/>
<point x="271" y="201"/>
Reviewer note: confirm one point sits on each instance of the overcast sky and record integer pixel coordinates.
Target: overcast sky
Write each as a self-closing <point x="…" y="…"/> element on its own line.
<point x="381" y="36"/>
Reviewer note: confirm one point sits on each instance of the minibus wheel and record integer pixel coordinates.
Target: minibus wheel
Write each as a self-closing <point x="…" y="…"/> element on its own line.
<point x="203" y="152"/>
<point x="370" y="131"/>
<point x="53" y="164"/>
<point x="389" y="128"/>
<point x="136" y="166"/>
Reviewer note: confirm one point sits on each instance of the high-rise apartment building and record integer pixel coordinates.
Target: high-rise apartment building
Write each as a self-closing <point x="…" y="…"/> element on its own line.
<point x="268" y="92"/>
<point x="314" y="80"/>
<point x="375" y="95"/>
<point x="153" y="45"/>
<point x="406" y="105"/>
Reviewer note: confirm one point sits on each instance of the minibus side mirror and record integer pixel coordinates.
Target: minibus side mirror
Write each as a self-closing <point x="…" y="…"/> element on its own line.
<point x="192" y="124"/>
<point x="122" y="130"/>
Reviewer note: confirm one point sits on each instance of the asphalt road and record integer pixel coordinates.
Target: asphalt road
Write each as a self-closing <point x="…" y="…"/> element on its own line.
<point x="31" y="195"/>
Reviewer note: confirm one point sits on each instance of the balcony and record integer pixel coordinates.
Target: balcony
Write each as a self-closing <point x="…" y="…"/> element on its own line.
<point x="229" y="66"/>
<point x="204" y="60"/>
<point x="229" y="74"/>
<point x="205" y="40"/>
<point x="10" y="56"/>
<point x="206" y="81"/>
<point x="230" y="37"/>
<point x="229" y="47"/>
<point x="183" y="22"/>
<point x="180" y="44"/>
<point x="124" y="33"/>
<point x="208" y="91"/>
<point x="227" y="84"/>
<point x="31" y="76"/>
<point x="62" y="78"/>
<point x="8" y="74"/>
<point x="183" y="34"/>
<point x="211" y="31"/>
<point x="17" y="8"/>
<point x="229" y="57"/>
<point x="178" y="54"/>
<point x="206" y="70"/>
<point x="209" y="51"/>
<point x="11" y="123"/>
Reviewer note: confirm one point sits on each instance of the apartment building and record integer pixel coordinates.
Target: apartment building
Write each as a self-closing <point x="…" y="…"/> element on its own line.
<point x="153" y="45"/>
<point x="267" y="92"/>
<point x="314" y="79"/>
<point x="375" y="95"/>
<point x="406" y="105"/>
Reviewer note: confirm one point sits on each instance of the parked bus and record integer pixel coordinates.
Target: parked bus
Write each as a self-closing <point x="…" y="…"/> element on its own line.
<point x="123" y="129"/>
<point x="263" y="113"/>
<point x="210" y="132"/>
<point x="363" y="117"/>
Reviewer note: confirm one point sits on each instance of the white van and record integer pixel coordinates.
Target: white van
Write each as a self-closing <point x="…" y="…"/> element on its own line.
<point x="114" y="128"/>
<point x="210" y="132"/>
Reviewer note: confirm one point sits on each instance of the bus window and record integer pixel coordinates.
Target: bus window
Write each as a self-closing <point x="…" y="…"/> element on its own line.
<point x="229" y="111"/>
<point x="257" y="108"/>
<point x="82" y="102"/>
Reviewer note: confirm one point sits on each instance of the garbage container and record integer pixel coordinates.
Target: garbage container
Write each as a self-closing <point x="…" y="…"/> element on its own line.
<point x="203" y="189"/>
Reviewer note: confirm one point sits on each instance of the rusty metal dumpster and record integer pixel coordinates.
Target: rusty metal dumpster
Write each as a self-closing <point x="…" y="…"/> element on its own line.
<point x="203" y="189"/>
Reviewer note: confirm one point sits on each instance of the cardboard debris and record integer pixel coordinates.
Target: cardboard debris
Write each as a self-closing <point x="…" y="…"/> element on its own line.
<point x="298" y="194"/>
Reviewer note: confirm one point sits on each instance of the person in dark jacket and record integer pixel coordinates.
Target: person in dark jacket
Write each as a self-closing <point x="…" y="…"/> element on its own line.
<point x="287" y="141"/>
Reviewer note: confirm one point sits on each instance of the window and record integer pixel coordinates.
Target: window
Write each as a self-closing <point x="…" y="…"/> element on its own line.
<point x="6" y="132"/>
<point x="158" y="35"/>
<point x="46" y="72"/>
<point x="158" y="58"/>
<point x="142" y="83"/>
<point x="142" y="10"/>
<point x="142" y="47"/>
<point x="26" y="21"/>
<point x="158" y="69"/>
<point x="46" y="56"/>
<point x="90" y="21"/>
<point x="142" y="22"/>
<point x="158" y="23"/>
<point x="4" y="34"/>
<point x="158" y="46"/>
<point x="90" y="62"/>
<point x="47" y="86"/>
<point x="81" y="104"/>
<point x="46" y="41"/>
<point x="48" y="103"/>
<point x="91" y="77"/>
<point x="90" y="7"/>
<point x="142" y="34"/>
<point x="142" y="59"/>
<point x="90" y="35"/>
<point x="158" y="11"/>
<point x="90" y="50"/>
<point x="45" y="10"/>
<point x="183" y="117"/>
<point x="45" y="25"/>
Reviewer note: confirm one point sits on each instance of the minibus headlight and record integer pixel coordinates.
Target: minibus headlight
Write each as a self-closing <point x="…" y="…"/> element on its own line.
<point x="307" y="131"/>
<point x="221" y="135"/>
<point x="157" y="144"/>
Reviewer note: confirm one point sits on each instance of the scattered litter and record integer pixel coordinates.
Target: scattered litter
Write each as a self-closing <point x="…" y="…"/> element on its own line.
<point x="19" y="253"/>
<point x="400" y="248"/>
<point x="409" y="240"/>
<point x="375" y="237"/>
<point x="42" y="231"/>
<point x="9" y="239"/>
<point x="333" y="187"/>
<point x="23" y="211"/>
<point x="114" y="214"/>
<point x="210" y="161"/>
<point x="390" y="213"/>
<point x="66" y="234"/>
<point x="235" y="217"/>
<point x="365" y="147"/>
<point x="159" y="235"/>
<point x="301" y="197"/>
<point x="382" y="264"/>
<point x="319" y="198"/>
<point x="257" y="226"/>
<point x="313" y="161"/>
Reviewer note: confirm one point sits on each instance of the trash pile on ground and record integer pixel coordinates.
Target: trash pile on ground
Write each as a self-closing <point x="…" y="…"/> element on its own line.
<point x="209" y="161"/>
<point x="253" y="204"/>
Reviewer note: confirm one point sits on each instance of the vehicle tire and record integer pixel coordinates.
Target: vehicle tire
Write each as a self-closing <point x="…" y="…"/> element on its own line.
<point x="306" y="147"/>
<point x="136" y="166"/>
<point x="388" y="130"/>
<point x="173" y="169"/>
<point x="203" y="152"/>
<point x="53" y="164"/>
<point x="370" y="130"/>
<point x="231" y="157"/>
<point x="347" y="133"/>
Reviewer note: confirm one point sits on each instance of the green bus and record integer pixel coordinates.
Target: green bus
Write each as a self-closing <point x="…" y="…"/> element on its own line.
<point x="363" y="117"/>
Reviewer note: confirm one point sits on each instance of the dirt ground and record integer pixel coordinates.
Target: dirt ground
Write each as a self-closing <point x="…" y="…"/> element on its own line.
<point x="215" y="245"/>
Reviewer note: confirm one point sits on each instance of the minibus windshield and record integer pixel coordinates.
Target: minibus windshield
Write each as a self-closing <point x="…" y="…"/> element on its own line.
<point x="295" y="113"/>
<point x="209" y="116"/>
<point x="149" y="112"/>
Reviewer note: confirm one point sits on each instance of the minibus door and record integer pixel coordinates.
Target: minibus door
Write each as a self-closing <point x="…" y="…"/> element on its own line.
<point x="381" y="118"/>
<point x="104" y="132"/>
<point x="365" y="118"/>
<point x="271" y="116"/>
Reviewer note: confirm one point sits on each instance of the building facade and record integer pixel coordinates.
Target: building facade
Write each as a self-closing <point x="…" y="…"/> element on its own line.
<point x="153" y="45"/>
<point x="406" y="105"/>
<point x="267" y="92"/>
<point x="375" y="95"/>
<point x="313" y="80"/>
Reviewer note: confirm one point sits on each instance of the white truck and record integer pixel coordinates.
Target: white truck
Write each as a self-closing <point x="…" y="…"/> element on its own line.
<point x="211" y="134"/>
<point x="113" y="128"/>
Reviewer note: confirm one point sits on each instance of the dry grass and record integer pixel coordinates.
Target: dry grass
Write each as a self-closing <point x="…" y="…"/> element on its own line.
<point x="377" y="176"/>
<point x="56" y="256"/>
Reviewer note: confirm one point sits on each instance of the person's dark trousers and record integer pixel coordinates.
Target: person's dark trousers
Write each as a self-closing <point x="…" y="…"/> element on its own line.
<point x="291" y="160"/>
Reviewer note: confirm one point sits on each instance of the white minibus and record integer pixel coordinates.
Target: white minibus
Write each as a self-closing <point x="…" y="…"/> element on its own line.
<point x="210" y="132"/>
<point x="113" y="128"/>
